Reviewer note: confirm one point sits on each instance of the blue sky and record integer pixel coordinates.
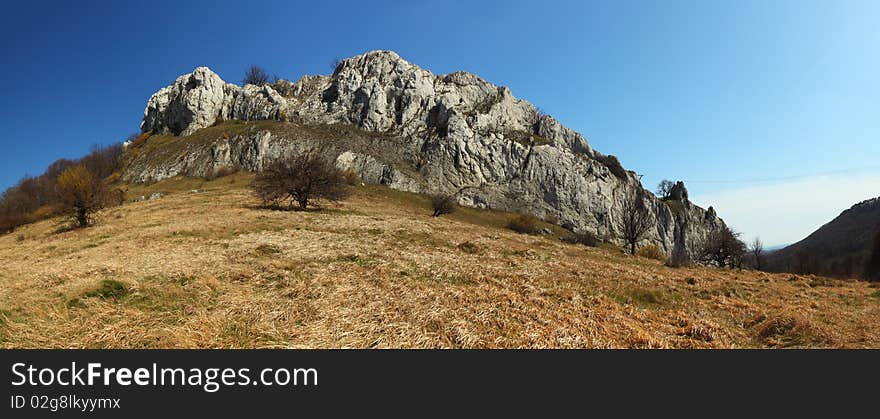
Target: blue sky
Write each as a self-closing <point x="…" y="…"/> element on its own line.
<point x="746" y="101"/>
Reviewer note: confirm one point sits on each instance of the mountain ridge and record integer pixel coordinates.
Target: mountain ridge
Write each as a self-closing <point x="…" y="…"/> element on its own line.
<point x="454" y="133"/>
<point x="840" y="247"/>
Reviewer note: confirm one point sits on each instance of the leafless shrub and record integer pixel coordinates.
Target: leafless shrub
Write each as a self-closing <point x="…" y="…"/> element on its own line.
<point x="256" y="76"/>
<point x="443" y="204"/>
<point x="524" y="224"/>
<point x="299" y="180"/>
<point x="723" y="248"/>
<point x="756" y="250"/>
<point x="634" y="219"/>
<point x="585" y="238"/>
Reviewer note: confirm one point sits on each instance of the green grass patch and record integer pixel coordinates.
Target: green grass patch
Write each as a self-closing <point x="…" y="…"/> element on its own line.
<point x="108" y="288"/>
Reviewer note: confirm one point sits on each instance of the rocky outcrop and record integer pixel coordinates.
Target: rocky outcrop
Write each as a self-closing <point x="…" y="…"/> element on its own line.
<point x="454" y="133"/>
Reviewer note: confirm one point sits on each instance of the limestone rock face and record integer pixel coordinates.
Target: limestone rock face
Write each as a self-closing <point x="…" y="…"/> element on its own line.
<point x="192" y="102"/>
<point x="252" y="103"/>
<point x="679" y="192"/>
<point x="454" y="133"/>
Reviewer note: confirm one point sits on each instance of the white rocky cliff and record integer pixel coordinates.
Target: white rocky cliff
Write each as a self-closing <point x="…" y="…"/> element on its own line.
<point x="400" y="125"/>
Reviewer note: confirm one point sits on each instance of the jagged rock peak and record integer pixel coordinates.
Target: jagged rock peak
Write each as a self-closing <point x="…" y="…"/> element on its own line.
<point x="377" y="91"/>
<point x="456" y="134"/>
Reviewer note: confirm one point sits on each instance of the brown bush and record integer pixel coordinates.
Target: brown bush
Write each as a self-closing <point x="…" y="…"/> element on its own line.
<point x="585" y="238"/>
<point x="787" y="328"/>
<point x="351" y="177"/>
<point x="37" y="198"/>
<point x="524" y="224"/>
<point x="443" y="204"/>
<point x="300" y="180"/>
<point x="81" y="194"/>
<point x="652" y="251"/>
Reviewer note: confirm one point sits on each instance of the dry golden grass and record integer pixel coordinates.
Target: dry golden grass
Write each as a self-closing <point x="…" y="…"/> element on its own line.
<point x="211" y="270"/>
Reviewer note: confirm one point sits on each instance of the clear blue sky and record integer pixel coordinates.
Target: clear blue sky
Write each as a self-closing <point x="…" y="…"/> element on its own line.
<point x="695" y="90"/>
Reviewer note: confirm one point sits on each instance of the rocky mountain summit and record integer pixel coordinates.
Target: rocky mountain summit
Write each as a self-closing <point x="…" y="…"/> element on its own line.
<point x="397" y="124"/>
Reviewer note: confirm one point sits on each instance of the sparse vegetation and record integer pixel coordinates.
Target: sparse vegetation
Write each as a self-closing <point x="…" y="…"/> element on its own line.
<point x="585" y="238"/>
<point x="256" y="76"/>
<point x="81" y="194"/>
<point x="723" y="248"/>
<point x="37" y="198"/>
<point x="524" y="224"/>
<point x="756" y="251"/>
<point x="370" y="274"/>
<point x="613" y="165"/>
<point x="301" y="180"/>
<point x="651" y="251"/>
<point x="443" y="204"/>
<point x="634" y="219"/>
<point x="664" y="189"/>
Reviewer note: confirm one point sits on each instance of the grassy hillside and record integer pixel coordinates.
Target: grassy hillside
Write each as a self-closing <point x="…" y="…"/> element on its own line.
<point x="211" y="269"/>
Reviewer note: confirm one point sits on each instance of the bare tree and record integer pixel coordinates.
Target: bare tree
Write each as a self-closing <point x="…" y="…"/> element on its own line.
<point x="300" y="180"/>
<point x="723" y="248"/>
<point x="756" y="248"/>
<point x="664" y="188"/>
<point x="443" y="204"/>
<point x="256" y="76"/>
<point x="634" y="219"/>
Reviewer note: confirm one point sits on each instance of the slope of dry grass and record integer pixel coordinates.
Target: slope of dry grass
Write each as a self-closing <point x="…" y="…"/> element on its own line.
<point x="210" y="269"/>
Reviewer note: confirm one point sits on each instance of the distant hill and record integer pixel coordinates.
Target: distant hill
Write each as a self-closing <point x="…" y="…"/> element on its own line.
<point x="838" y="248"/>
